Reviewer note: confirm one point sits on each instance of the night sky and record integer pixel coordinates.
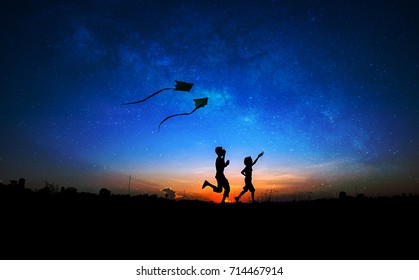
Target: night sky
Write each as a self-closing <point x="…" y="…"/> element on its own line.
<point x="329" y="90"/>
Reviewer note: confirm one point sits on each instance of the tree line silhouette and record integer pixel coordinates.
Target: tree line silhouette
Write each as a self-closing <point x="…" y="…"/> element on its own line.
<point x="17" y="188"/>
<point x="63" y="223"/>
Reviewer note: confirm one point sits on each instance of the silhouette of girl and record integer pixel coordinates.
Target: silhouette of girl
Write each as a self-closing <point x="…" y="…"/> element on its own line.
<point x="247" y="172"/>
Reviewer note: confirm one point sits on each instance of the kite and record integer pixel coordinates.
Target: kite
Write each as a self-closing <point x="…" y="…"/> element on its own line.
<point x="199" y="103"/>
<point x="180" y="86"/>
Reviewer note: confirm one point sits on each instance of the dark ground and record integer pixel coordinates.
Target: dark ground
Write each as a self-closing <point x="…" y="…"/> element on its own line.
<point x="39" y="225"/>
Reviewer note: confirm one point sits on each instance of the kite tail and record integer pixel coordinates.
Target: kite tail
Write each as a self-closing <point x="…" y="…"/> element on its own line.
<point x="183" y="114"/>
<point x="139" y="101"/>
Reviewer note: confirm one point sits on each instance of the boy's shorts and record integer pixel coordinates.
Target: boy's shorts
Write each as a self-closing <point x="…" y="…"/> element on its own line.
<point x="222" y="182"/>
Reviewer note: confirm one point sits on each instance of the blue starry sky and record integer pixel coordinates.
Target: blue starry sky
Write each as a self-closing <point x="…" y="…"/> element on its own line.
<point x="327" y="89"/>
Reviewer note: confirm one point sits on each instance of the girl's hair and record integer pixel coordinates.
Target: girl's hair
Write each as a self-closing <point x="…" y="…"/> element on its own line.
<point x="247" y="160"/>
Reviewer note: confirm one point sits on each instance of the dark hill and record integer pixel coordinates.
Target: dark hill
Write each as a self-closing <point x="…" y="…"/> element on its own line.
<point x="73" y="225"/>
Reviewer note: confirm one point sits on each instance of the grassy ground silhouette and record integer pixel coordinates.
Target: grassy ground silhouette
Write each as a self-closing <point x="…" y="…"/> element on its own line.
<point x="73" y="225"/>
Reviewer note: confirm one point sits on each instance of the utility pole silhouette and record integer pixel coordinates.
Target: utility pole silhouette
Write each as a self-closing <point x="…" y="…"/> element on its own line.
<point x="129" y="185"/>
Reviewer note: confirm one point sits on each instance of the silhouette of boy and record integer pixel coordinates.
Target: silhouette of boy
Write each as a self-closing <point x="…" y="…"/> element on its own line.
<point x="222" y="182"/>
<point x="247" y="172"/>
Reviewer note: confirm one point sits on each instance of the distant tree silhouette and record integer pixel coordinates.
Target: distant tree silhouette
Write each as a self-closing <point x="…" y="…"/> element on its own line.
<point x="71" y="190"/>
<point x="21" y="183"/>
<point x="104" y="192"/>
<point x="360" y="196"/>
<point x="49" y="188"/>
<point x="169" y="193"/>
<point x="343" y="195"/>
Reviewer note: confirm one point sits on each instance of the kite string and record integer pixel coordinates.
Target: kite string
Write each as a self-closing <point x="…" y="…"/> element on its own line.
<point x="175" y="115"/>
<point x="139" y="101"/>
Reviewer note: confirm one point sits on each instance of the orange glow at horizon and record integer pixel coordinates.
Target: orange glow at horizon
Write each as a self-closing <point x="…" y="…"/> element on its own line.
<point x="285" y="183"/>
<point x="191" y="188"/>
